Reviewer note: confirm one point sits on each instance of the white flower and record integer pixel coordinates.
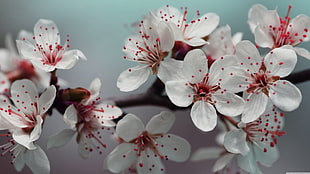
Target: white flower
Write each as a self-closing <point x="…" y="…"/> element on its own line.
<point x="145" y="147"/>
<point x="256" y="141"/>
<point x="221" y="43"/>
<point x="191" y="32"/>
<point x="86" y="118"/>
<point x="272" y="31"/>
<point x="202" y="87"/>
<point x="35" y="159"/>
<point x="45" y="50"/>
<point x="260" y="78"/>
<point x="149" y="49"/>
<point x="26" y="116"/>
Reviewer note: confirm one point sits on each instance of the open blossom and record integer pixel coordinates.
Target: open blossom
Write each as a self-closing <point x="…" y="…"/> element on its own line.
<point x="221" y="43"/>
<point x="13" y="67"/>
<point x="259" y="78"/>
<point x="191" y="32"/>
<point x="45" y="51"/>
<point x="145" y="147"/>
<point x="272" y="31"/>
<point x="201" y="86"/>
<point x="149" y="49"/>
<point x="256" y="141"/>
<point x="87" y="118"/>
<point x="25" y="118"/>
<point x="35" y="159"/>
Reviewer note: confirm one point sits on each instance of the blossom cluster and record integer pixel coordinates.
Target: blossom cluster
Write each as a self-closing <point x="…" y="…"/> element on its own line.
<point x="224" y="80"/>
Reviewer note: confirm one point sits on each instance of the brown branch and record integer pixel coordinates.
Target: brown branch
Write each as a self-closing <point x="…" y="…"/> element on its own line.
<point x="299" y="77"/>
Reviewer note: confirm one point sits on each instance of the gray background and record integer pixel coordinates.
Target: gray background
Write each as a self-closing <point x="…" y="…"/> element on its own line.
<point x="99" y="29"/>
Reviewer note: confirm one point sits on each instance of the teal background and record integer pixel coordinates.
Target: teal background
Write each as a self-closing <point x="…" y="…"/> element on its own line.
<point x="99" y="28"/>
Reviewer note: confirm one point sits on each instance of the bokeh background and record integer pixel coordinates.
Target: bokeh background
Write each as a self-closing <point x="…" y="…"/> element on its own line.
<point x="99" y="28"/>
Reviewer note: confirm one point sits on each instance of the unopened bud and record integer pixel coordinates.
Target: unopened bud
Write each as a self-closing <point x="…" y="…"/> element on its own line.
<point x="75" y="95"/>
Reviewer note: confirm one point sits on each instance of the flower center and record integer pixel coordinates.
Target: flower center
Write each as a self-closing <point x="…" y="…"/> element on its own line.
<point x="24" y="70"/>
<point x="204" y="91"/>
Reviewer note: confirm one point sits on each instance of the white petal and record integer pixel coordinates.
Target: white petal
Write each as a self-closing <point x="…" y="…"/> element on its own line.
<point x="266" y="158"/>
<point x="160" y="123"/>
<point x="129" y="127"/>
<point x="149" y="163"/>
<point x="202" y="26"/>
<point x="204" y="116"/>
<point x="28" y="51"/>
<point x="121" y="158"/>
<point x="280" y="62"/>
<point x="5" y="83"/>
<point x="105" y="113"/>
<point x="248" y="162"/>
<point x="236" y="38"/>
<point x="46" y="33"/>
<point x="37" y="161"/>
<point x="60" y="139"/>
<point x="263" y="38"/>
<point x="23" y="138"/>
<point x="235" y="142"/>
<point x="37" y="130"/>
<point x="166" y="37"/>
<point x="302" y="52"/>
<point x="255" y="105"/>
<point x="25" y="96"/>
<point x="173" y="147"/>
<point x="180" y="93"/>
<point x="69" y="59"/>
<point x="248" y="54"/>
<point x="300" y="23"/>
<point x="195" y="66"/>
<point x="255" y="15"/>
<point x="19" y="162"/>
<point x="228" y="103"/>
<point x="94" y="89"/>
<point x="170" y="70"/>
<point x="70" y="116"/>
<point x="132" y="78"/>
<point x="207" y="153"/>
<point x="46" y="99"/>
<point x="285" y="95"/>
<point x="195" y="42"/>
<point x="222" y="162"/>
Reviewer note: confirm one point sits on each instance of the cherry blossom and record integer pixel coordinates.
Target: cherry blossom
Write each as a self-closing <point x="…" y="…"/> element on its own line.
<point x="35" y="159"/>
<point x="87" y="118"/>
<point x="272" y="31"/>
<point x="149" y="49"/>
<point x="13" y="67"/>
<point x="259" y="78"/>
<point x="191" y="32"/>
<point x="145" y="147"/>
<point x="202" y="87"/>
<point x="221" y="43"/>
<point x="25" y="118"/>
<point x="45" y="51"/>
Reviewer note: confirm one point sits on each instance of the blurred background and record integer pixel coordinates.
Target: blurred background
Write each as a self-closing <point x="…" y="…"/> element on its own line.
<point x="99" y="28"/>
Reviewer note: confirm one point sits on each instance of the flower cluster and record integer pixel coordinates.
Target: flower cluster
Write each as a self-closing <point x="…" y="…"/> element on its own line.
<point x="225" y="82"/>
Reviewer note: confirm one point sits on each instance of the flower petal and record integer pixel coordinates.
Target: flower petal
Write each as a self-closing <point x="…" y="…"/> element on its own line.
<point x="228" y="103"/>
<point x="5" y="83"/>
<point x="27" y="50"/>
<point x="170" y="70"/>
<point x="222" y="162"/>
<point x="129" y="127"/>
<point x="133" y="78"/>
<point x="149" y="163"/>
<point x="266" y="158"/>
<point x="300" y="23"/>
<point x="69" y="59"/>
<point x="235" y="142"/>
<point x="46" y="33"/>
<point x="180" y="93"/>
<point x="25" y="96"/>
<point x="60" y="139"/>
<point x="249" y="56"/>
<point x="70" y="116"/>
<point x="160" y="123"/>
<point x="23" y="138"/>
<point x="302" y="52"/>
<point x="207" y="153"/>
<point x="248" y="162"/>
<point x="285" y="95"/>
<point x="106" y="113"/>
<point x="37" y="130"/>
<point x="280" y="62"/>
<point x="195" y="66"/>
<point x="263" y="38"/>
<point x="37" y="161"/>
<point x="121" y="158"/>
<point x="204" y="116"/>
<point x="166" y="36"/>
<point x="173" y="147"/>
<point x="255" y="105"/>
<point x="47" y="99"/>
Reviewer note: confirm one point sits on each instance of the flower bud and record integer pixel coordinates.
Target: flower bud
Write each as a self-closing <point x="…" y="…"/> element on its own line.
<point x="75" y="95"/>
